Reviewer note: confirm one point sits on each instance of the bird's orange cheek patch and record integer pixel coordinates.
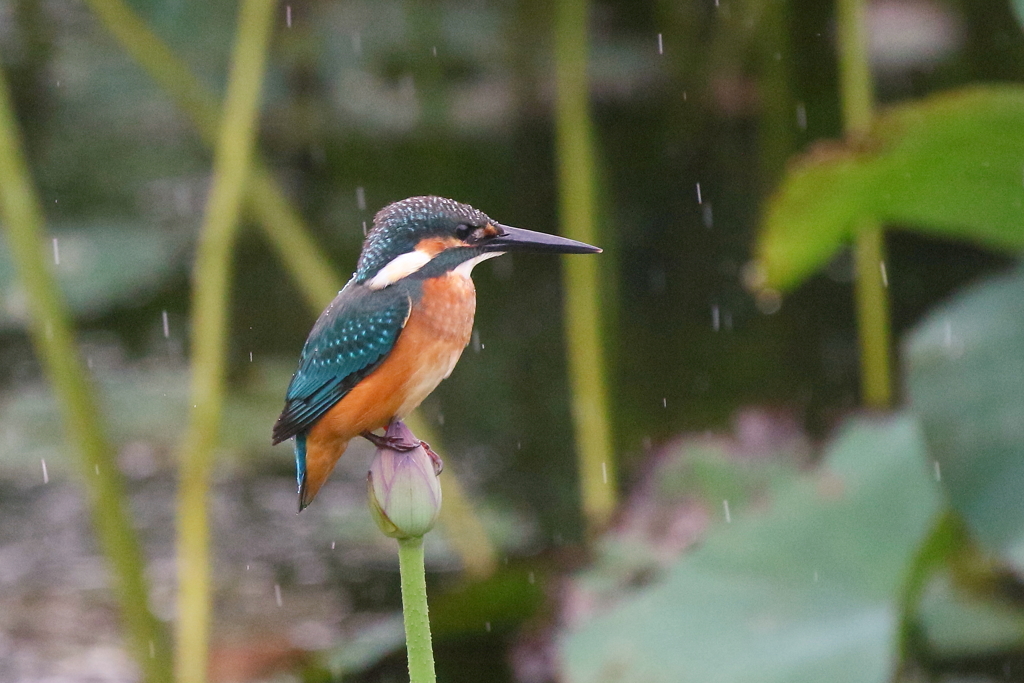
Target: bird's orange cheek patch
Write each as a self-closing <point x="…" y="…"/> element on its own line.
<point x="435" y="245"/>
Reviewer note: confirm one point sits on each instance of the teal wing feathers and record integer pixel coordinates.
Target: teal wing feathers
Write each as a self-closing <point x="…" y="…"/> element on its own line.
<point x="351" y="338"/>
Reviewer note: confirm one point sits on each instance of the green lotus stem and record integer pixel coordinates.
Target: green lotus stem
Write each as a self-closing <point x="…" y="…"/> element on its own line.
<point x="414" y="610"/>
<point x="54" y="341"/>
<point x="265" y="201"/>
<point x="212" y="277"/>
<point x="576" y="174"/>
<point x="869" y="249"/>
<point x="463" y="529"/>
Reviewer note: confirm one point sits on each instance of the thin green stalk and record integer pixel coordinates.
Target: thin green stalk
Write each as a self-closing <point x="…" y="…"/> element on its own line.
<point x="54" y="340"/>
<point x="414" y="610"/>
<point x="465" y="531"/>
<point x="576" y="169"/>
<point x="209" y="332"/>
<point x="870" y="291"/>
<point x="266" y="202"/>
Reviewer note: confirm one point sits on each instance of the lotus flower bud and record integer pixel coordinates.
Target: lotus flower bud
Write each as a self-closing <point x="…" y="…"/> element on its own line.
<point x="403" y="487"/>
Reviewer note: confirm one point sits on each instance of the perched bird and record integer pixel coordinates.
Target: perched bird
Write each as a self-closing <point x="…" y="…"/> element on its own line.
<point x="396" y="329"/>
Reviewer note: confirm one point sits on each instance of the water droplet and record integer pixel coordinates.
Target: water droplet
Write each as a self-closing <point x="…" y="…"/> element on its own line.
<point x="361" y="198"/>
<point x="728" y="515"/>
<point x="716" y="322"/>
<point x="167" y="325"/>
<point x="604" y="475"/>
<point x="477" y="346"/>
<point x="664" y="402"/>
<point x="885" y="274"/>
<point x="801" y="116"/>
<point x="288" y="16"/>
<point x="661" y="46"/>
<point x="56" y="252"/>
<point x="700" y="200"/>
<point x="938" y="471"/>
<point x="46" y="475"/>
<point x="277" y="594"/>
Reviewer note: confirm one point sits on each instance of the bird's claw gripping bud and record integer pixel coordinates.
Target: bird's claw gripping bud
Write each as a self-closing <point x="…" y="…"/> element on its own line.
<point x="402" y="485"/>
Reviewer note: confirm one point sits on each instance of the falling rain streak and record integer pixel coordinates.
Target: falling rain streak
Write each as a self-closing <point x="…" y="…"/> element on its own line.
<point x="277" y="594"/>
<point x="661" y="47"/>
<point x="728" y="515"/>
<point x="288" y="16"/>
<point x="700" y="200"/>
<point x="885" y="273"/>
<point x="167" y="325"/>
<point x="56" y="252"/>
<point x="361" y="198"/>
<point x="46" y="475"/>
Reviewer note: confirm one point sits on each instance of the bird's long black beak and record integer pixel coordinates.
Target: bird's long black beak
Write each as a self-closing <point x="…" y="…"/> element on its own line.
<point x="517" y="239"/>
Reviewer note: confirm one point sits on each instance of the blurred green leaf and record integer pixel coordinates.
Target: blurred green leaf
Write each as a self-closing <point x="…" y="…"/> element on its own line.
<point x="140" y="405"/>
<point x="807" y="591"/>
<point x="100" y="266"/>
<point x="955" y="622"/>
<point x="948" y="165"/>
<point x="1018" y="10"/>
<point x="965" y="368"/>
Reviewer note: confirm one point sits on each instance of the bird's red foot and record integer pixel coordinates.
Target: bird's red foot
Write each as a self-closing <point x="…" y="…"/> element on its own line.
<point x="397" y="443"/>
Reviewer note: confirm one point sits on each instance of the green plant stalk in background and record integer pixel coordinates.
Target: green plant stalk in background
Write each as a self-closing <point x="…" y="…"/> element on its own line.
<point x="414" y="610"/>
<point x="281" y="224"/>
<point x="587" y="369"/>
<point x="869" y="250"/>
<point x="265" y="201"/>
<point x="212" y="277"/>
<point x="54" y="341"/>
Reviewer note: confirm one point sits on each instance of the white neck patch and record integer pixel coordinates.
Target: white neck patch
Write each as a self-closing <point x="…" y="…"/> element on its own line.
<point x="466" y="267"/>
<point x="401" y="266"/>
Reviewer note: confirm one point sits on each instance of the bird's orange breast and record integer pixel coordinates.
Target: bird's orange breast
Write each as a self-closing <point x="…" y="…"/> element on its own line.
<point x="429" y="346"/>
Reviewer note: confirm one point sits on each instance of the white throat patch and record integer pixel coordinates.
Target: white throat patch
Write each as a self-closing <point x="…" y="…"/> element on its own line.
<point x="466" y="267"/>
<point x="401" y="266"/>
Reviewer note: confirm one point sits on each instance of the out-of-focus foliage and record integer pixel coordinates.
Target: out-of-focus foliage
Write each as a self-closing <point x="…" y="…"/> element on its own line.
<point x="949" y="165"/>
<point x="965" y="366"/>
<point x="101" y="267"/>
<point x="791" y="594"/>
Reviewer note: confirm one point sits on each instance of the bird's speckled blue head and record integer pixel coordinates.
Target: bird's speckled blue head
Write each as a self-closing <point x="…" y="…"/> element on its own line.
<point x="399" y="227"/>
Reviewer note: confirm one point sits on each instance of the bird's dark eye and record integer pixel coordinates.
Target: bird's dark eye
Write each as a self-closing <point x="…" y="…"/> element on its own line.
<point x="462" y="232"/>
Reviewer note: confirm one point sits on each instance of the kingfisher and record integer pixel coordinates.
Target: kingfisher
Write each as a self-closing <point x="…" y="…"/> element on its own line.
<point x="396" y="329"/>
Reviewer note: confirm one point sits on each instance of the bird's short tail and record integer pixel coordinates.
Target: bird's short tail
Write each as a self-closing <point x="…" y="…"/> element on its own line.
<point x="314" y="461"/>
<point x="300" y="470"/>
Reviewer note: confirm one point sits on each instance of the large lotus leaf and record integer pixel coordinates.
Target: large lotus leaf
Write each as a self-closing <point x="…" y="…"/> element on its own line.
<point x="948" y="165"/>
<point x="806" y="590"/>
<point x="965" y="370"/>
<point x="100" y="266"/>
